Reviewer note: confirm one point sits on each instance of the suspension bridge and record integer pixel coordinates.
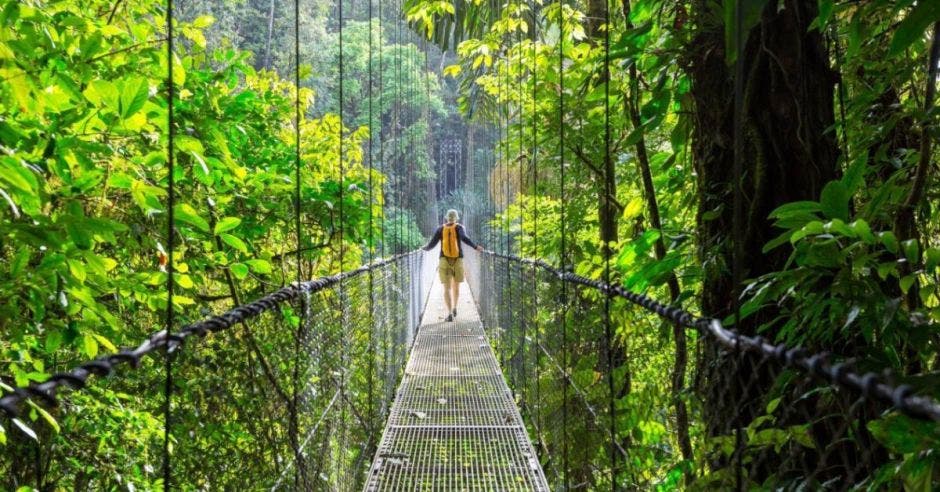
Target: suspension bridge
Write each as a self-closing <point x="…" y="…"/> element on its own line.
<point x="378" y="392"/>
<point x="355" y="381"/>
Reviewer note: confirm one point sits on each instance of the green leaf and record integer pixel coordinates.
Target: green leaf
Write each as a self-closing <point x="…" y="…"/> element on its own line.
<point x="52" y="341"/>
<point x="906" y="282"/>
<point x="184" y="281"/>
<point x="240" y="270"/>
<point x="811" y="229"/>
<point x="931" y="258"/>
<point x="234" y="242"/>
<point x="834" y="200"/>
<point x="120" y="180"/>
<point x="777" y="242"/>
<point x="89" y="345"/>
<point x="260" y="266"/>
<point x="889" y="240"/>
<point x="77" y="269"/>
<point x="887" y="268"/>
<point x="186" y="213"/>
<point x="102" y="93"/>
<point x="863" y="231"/>
<point x="227" y="224"/>
<point x="203" y="21"/>
<point x="913" y="27"/>
<point x="633" y="209"/>
<point x="45" y="416"/>
<point x="78" y="231"/>
<point x="911" y="250"/>
<point x="904" y="435"/>
<point x="795" y="209"/>
<point x="133" y="96"/>
<point x="18" y="175"/>
<point x="836" y="226"/>
<point x="19" y="262"/>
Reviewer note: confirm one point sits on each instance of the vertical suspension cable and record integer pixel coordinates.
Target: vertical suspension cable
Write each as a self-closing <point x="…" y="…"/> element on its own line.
<point x="381" y="134"/>
<point x="343" y="302"/>
<point x="371" y="247"/>
<point x="342" y="149"/>
<point x="398" y="127"/>
<point x="507" y="93"/>
<point x="738" y="206"/>
<point x="608" y="198"/>
<point x="535" y="220"/>
<point x="563" y="245"/>
<point x="428" y="141"/>
<point x="171" y="233"/>
<point x="522" y="206"/>
<point x="500" y="173"/>
<point x="295" y="423"/>
<point x="297" y="154"/>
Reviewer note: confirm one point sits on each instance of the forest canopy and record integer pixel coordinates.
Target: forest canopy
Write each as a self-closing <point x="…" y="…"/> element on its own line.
<point x="774" y="167"/>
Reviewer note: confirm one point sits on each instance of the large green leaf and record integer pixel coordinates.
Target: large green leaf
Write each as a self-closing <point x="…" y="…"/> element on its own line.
<point x="187" y="214"/>
<point x="914" y="25"/>
<point x="227" y="224"/>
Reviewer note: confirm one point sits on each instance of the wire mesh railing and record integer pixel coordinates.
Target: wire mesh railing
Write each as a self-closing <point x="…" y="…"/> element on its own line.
<point x="762" y="416"/>
<point x="286" y="393"/>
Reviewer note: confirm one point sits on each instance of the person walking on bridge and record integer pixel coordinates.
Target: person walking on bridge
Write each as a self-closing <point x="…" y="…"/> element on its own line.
<point x="451" y="235"/>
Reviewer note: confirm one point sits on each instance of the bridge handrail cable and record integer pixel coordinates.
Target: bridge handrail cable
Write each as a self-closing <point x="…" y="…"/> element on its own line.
<point x="870" y="385"/>
<point x="77" y="377"/>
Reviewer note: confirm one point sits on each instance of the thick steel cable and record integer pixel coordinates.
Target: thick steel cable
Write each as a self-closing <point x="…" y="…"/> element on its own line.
<point x="563" y="246"/>
<point x="171" y="233"/>
<point x="869" y="385"/>
<point x="76" y="378"/>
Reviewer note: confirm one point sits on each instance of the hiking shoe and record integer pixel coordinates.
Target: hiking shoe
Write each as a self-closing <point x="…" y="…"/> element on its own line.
<point x="449" y="318"/>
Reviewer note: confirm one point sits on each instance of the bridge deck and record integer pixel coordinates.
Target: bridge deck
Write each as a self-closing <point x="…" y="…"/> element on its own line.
<point x="454" y="425"/>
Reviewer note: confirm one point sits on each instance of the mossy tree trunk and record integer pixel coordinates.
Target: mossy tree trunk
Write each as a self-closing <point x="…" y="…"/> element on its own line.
<point x="789" y="152"/>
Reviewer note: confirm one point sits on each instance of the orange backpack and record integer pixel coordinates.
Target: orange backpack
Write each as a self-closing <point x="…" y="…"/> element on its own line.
<point x="449" y="246"/>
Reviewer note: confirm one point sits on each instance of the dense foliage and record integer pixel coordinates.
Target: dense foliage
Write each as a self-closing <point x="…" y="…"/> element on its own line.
<point x="83" y="181"/>
<point x="839" y="247"/>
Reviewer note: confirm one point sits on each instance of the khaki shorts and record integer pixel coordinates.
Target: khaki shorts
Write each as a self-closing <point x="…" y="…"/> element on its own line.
<point x="450" y="268"/>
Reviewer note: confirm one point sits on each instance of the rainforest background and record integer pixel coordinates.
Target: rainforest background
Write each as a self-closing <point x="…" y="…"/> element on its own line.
<point x="477" y="105"/>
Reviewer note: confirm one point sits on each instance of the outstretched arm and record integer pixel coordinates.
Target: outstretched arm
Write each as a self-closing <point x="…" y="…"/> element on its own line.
<point x="469" y="242"/>
<point x="436" y="238"/>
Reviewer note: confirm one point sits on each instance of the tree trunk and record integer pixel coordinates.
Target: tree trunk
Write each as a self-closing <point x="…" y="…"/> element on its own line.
<point x="595" y="18"/>
<point x="788" y="153"/>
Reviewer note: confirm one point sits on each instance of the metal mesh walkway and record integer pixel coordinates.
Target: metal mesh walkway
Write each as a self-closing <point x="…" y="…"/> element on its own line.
<point x="454" y="425"/>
